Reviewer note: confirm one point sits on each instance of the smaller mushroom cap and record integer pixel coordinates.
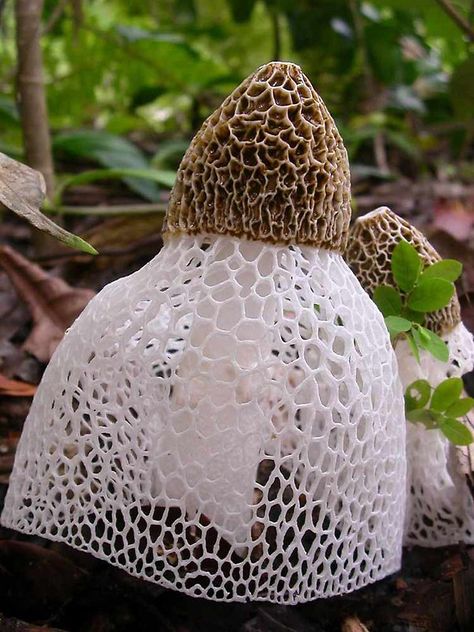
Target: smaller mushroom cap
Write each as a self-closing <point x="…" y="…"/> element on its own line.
<point x="268" y="165"/>
<point x="369" y="252"/>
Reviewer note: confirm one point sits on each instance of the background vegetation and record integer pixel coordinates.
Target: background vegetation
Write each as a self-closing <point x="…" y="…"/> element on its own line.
<point x="129" y="81"/>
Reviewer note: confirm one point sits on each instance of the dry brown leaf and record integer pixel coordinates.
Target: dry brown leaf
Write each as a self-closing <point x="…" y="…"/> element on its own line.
<point x="120" y="232"/>
<point x="353" y="624"/>
<point x="23" y="190"/>
<point x="15" y="388"/>
<point x="53" y="304"/>
<point x="454" y="218"/>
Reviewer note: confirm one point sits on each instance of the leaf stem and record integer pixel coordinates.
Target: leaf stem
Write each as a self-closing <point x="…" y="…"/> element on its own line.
<point x="457" y="18"/>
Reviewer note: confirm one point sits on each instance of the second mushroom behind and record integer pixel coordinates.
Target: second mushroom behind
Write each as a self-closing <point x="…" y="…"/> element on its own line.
<point x="227" y="421"/>
<point x="440" y="505"/>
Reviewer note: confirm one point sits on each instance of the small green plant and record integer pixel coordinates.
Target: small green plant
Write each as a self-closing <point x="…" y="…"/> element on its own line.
<point x="420" y="290"/>
<point x="440" y="408"/>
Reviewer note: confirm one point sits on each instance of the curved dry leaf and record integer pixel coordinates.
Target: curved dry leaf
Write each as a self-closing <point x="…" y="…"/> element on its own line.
<point x="23" y="190"/>
<point x="15" y="388"/>
<point x="353" y="624"/>
<point x="53" y="304"/>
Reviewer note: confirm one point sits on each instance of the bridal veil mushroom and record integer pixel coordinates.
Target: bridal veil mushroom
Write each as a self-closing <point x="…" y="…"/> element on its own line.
<point x="228" y="421"/>
<point x="440" y="509"/>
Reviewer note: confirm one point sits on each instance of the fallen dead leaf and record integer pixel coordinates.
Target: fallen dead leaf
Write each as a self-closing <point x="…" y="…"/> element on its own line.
<point x="23" y="190"/>
<point x="37" y="580"/>
<point x="353" y="624"/>
<point x="15" y="625"/>
<point x="53" y="304"/>
<point x="15" y="388"/>
<point x="454" y="218"/>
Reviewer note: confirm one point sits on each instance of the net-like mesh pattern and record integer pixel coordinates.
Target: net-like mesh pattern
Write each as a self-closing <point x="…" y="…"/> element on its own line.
<point x="268" y="164"/>
<point x="440" y="507"/>
<point x="369" y="252"/>
<point x="228" y="422"/>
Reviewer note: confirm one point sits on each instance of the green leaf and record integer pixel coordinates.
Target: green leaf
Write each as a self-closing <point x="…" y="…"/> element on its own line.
<point x="388" y="300"/>
<point x="169" y="153"/>
<point x="430" y="341"/>
<point x="413" y="345"/>
<point x="110" y="151"/>
<point x="423" y="416"/>
<point x="461" y="407"/>
<point x="417" y="395"/>
<point x="161" y="176"/>
<point x="446" y="393"/>
<point x="415" y="317"/>
<point x="241" y="9"/>
<point x="397" y="325"/>
<point x="406" y="265"/>
<point x="461" y="89"/>
<point x="456" y="432"/>
<point x="8" y="111"/>
<point x="448" y="269"/>
<point x="430" y="295"/>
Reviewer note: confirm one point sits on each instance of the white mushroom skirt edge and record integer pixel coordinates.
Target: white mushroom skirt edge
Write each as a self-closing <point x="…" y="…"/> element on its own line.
<point x="227" y="422"/>
<point x="440" y="507"/>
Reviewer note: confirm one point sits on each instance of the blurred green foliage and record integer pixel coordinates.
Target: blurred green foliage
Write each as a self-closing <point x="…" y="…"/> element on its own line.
<point x="396" y="74"/>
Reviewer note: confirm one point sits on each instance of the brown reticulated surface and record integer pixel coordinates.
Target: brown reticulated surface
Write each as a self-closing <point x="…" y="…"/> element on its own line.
<point x="269" y="164"/>
<point x="369" y="252"/>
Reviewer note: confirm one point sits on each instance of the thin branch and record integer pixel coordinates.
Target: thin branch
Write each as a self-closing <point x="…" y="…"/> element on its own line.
<point x="55" y="16"/>
<point x="457" y="18"/>
<point x="30" y="90"/>
<point x="369" y="86"/>
<point x="276" y="25"/>
<point x="380" y="153"/>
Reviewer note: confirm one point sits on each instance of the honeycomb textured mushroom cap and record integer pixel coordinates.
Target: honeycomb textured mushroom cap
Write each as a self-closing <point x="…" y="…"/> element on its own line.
<point x="269" y="165"/>
<point x="369" y="253"/>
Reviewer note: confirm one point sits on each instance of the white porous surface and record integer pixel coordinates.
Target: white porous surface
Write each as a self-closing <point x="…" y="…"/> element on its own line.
<point x="440" y="507"/>
<point x="228" y="422"/>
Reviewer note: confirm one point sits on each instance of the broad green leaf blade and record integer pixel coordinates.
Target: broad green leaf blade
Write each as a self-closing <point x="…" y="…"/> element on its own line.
<point x="110" y="151"/>
<point x="446" y="393"/>
<point x="241" y="9"/>
<point x="423" y="416"/>
<point x="430" y="295"/>
<point x="448" y="269"/>
<point x="169" y="153"/>
<point x="160" y="176"/>
<point x="417" y="395"/>
<point x="406" y="265"/>
<point x="397" y="325"/>
<point x="388" y="300"/>
<point x="456" y="432"/>
<point x="461" y="407"/>
<point x="415" y="317"/>
<point x="430" y="341"/>
<point x="22" y="190"/>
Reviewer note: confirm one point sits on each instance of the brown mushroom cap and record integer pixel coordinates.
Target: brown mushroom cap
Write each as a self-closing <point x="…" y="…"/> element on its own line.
<point x="269" y="164"/>
<point x="369" y="253"/>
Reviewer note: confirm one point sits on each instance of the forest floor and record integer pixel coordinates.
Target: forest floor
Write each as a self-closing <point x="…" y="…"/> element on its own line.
<point x="48" y="586"/>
